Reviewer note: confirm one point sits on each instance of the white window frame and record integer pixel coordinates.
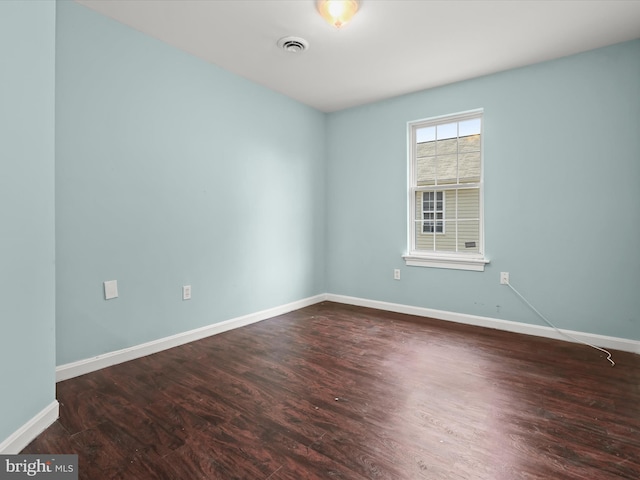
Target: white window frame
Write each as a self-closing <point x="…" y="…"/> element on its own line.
<point x="475" y="261"/>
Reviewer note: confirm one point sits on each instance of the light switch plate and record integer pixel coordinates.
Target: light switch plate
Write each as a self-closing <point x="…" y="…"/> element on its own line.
<point x="110" y="289"/>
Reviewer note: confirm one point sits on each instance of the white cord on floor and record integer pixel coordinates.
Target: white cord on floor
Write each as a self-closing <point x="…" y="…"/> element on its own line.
<point x="557" y="329"/>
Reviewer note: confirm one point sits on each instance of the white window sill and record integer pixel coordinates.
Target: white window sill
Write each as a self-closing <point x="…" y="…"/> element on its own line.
<point x="454" y="262"/>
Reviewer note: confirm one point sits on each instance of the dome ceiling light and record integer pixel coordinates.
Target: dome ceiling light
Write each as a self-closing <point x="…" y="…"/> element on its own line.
<point x="338" y="12"/>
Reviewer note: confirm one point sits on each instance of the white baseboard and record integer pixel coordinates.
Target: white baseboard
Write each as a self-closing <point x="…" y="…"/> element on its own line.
<point x="30" y="430"/>
<point x="74" y="369"/>
<point x="603" y="341"/>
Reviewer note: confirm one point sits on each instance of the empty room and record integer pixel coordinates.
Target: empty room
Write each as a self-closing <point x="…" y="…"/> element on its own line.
<point x="302" y="239"/>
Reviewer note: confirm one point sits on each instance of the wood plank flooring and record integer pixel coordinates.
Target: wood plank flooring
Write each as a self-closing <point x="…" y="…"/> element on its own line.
<point x="342" y="392"/>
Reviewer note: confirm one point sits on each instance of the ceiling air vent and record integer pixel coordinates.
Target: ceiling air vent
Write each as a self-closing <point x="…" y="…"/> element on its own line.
<point x="293" y="44"/>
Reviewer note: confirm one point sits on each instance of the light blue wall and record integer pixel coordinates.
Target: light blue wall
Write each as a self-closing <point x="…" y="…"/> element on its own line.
<point x="172" y="171"/>
<point x="27" y="271"/>
<point x="562" y="168"/>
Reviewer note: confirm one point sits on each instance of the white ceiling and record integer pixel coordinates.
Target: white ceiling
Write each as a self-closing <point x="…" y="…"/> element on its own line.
<point x="391" y="47"/>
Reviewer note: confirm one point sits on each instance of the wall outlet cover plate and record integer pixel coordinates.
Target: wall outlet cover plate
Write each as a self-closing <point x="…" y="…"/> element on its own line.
<point x="110" y="289"/>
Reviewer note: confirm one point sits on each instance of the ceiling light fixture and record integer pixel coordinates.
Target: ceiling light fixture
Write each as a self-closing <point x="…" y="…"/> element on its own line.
<point x="338" y="12"/>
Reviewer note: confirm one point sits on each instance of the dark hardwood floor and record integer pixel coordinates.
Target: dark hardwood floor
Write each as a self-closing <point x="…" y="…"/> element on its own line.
<point x="341" y="392"/>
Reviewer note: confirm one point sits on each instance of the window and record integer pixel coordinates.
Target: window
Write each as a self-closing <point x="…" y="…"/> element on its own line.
<point x="445" y="192"/>
<point x="432" y="212"/>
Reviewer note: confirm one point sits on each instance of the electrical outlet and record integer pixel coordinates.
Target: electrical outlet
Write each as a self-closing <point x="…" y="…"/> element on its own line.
<point x="396" y="274"/>
<point x="504" y="278"/>
<point x="110" y="289"/>
<point x="186" y="292"/>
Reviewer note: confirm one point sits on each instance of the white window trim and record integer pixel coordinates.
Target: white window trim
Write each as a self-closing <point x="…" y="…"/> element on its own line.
<point x="420" y="258"/>
<point x="454" y="262"/>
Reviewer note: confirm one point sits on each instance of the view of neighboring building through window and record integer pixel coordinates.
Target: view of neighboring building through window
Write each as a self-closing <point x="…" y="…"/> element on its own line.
<point x="432" y="212"/>
<point x="446" y="186"/>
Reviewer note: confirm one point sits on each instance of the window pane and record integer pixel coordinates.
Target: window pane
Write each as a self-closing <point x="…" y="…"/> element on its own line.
<point x="427" y="201"/>
<point x="449" y="130"/>
<point x="469" y="144"/>
<point x="447" y="169"/>
<point x="427" y="134"/>
<point x="423" y="240"/>
<point x="446" y="147"/>
<point x="426" y="171"/>
<point x="469" y="167"/>
<point x="469" y="127"/>
<point x="469" y="203"/>
<point x="425" y="149"/>
<point x="447" y="241"/>
<point x="418" y="206"/>
<point x="450" y="204"/>
<point x="469" y="236"/>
